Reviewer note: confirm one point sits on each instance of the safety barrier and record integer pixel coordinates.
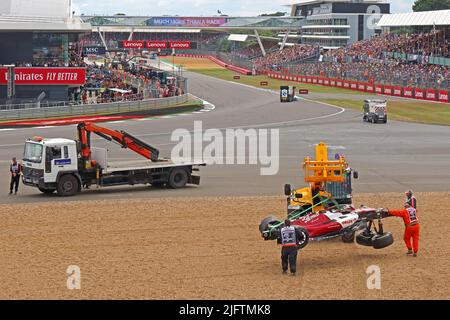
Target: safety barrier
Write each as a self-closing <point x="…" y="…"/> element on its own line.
<point x="397" y="91"/>
<point x="94" y="109"/>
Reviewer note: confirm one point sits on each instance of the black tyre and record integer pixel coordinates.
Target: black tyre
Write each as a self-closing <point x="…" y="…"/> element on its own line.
<point x="304" y="239"/>
<point x="47" y="191"/>
<point x="265" y="226"/>
<point x="365" y="239"/>
<point x="287" y="189"/>
<point x="382" y="241"/>
<point x="267" y="222"/>
<point x="348" y="237"/>
<point x="355" y="175"/>
<point x="68" y="185"/>
<point x="178" y="178"/>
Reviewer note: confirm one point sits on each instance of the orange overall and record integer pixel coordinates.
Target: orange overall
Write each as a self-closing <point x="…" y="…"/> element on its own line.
<point x="412" y="230"/>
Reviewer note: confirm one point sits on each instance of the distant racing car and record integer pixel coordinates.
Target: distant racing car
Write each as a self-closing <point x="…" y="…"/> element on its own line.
<point x="344" y="222"/>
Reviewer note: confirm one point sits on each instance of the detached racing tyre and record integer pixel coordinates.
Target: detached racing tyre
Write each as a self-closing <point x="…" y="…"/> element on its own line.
<point x="47" y="191"/>
<point x="304" y="239"/>
<point x="383" y="241"/>
<point x="178" y="178"/>
<point x="348" y="237"/>
<point x="365" y="239"/>
<point x="266" y="224"/>
<point x="68" y="185"/>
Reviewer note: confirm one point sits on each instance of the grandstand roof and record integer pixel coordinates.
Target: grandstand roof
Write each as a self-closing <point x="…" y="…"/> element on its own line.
<point x="425" y="18"/>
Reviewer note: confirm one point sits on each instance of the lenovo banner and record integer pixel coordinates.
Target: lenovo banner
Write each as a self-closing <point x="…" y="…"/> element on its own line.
<point x="379" y="88"/>
<point x="45" y="76"/>
<point x="370" y="88"/>
<point x="182" y="45"/>
<point x="157" y="45"/>
<point x="443" y="96"/>
<point x="132" y="44"/>
<point x="361" y="86"/>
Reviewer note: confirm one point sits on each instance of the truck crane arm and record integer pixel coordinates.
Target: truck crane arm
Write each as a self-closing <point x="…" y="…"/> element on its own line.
<point x="124" y="139"/>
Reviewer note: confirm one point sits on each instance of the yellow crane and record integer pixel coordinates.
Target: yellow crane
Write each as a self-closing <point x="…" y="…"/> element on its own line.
<point x="329" y="183"/>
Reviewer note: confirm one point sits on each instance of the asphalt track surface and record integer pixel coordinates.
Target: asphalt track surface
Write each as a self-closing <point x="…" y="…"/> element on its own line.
<point x="389" y="158"/>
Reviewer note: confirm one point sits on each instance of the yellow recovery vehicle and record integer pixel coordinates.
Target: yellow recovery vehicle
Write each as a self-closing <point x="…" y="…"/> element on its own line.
<point x="329" y="184"/>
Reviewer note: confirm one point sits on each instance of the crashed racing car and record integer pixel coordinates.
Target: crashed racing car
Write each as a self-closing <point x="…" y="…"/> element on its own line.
<point x="344" y="222"/>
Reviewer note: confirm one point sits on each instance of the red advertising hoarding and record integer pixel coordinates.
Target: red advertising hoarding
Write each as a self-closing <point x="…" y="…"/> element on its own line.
<point x="443" y="96"/>
<point x="370" y="87"/>
<point x="132" y="44"/>
<point x="354" y="85"/>
<point x="346" y="84"/>
<point x="156" y="45"/>
<point x="419" y="94"/>
<point x="326" y="82"/>
<point x="339" y="84"/>
<point x="408" y="92"/>
<point x="45" y="76"/>
<point x="398" y="91"/>
<point x="320" y="80"/>
<point x="361" y="86"/>
<point x="180" y="45"/>
<point x="315" y="80"/>
<point x="332" y="82"/>
<point x="379" y="88"/>
<point x="389" y="90"/>
<point x="431" y="94"/>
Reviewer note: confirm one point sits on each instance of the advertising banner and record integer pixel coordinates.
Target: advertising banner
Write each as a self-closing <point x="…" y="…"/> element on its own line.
<point x="379" y="88"/>
<point x="339" y="84"/>
<point x="94" y="50"/>
<point x="326" y="82"/>
<point x="320" y="80"/>
<point x="431" y="94"/>
<point x="346" y="84"/>
<point x="361" y="86"/>
<point x="419" y="94"/>
<point x="157" y="45"/>
<point x="332" y="82"/>
<point x="408" y="92"/>
<point x="45" y="76"/>
<point x="389" y="90"/>
<point x="186" y="22"/>
<point x="132" y="44"/>
<point x="398" y="91"/>
<point x="443" y="96"/>
<point x="370" y="87"/>
<point x="354" y="85"/>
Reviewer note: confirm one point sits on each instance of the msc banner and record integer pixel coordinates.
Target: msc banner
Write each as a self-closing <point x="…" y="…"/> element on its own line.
<point x="45" y="76"/>
<point x="94" y="50"/>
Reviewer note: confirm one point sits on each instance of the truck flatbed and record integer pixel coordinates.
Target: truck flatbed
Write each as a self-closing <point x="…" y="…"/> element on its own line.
<point x="135" y="165"/>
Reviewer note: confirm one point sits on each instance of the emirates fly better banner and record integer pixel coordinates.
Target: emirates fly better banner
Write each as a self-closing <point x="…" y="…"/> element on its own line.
<point x="45" y="76"/>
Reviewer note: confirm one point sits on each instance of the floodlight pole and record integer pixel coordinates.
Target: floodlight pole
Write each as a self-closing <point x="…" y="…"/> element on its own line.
<point x="285" y="38"/>
<point x="104" y="42"/>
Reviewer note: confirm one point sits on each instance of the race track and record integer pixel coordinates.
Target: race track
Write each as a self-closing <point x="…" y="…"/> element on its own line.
<point x="389" y="158"/>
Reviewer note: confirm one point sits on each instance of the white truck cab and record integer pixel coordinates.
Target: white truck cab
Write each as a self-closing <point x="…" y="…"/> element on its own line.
<point x="44" y="160"/>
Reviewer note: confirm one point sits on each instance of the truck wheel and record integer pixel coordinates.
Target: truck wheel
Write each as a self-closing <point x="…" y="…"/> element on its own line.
<point x="178" y="178"/>
<point x="382" y="241"/>
<point x="365" y="239"/>
<point x="304" y="239"/>
<point x="47" y="191"/>
<point x="348" y="237"/>
<point x="68" y="185"/>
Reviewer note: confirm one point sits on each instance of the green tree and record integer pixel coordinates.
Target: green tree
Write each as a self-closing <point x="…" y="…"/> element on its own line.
<point x="276" y="14"/>
<point x="428" y="5"/>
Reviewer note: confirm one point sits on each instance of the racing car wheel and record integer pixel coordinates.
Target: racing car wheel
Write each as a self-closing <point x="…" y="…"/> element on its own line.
<point x="365" y="238"/>
<point x="303" y="242"/>
<point x="382" y="241"/>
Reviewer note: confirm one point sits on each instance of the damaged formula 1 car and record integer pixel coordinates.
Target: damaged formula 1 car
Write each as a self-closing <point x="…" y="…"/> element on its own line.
<point x="344" y="222"/>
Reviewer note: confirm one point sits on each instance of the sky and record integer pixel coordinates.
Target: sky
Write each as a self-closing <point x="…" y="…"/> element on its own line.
<point x="197" y="7"/>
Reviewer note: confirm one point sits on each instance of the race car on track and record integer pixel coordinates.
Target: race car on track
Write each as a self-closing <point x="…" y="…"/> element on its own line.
<point x="344" y="222"/>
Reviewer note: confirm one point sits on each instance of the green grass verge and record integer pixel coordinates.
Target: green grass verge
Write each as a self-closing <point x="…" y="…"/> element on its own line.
<point x="411" y="111"/>
<point x="273" y="83"/>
